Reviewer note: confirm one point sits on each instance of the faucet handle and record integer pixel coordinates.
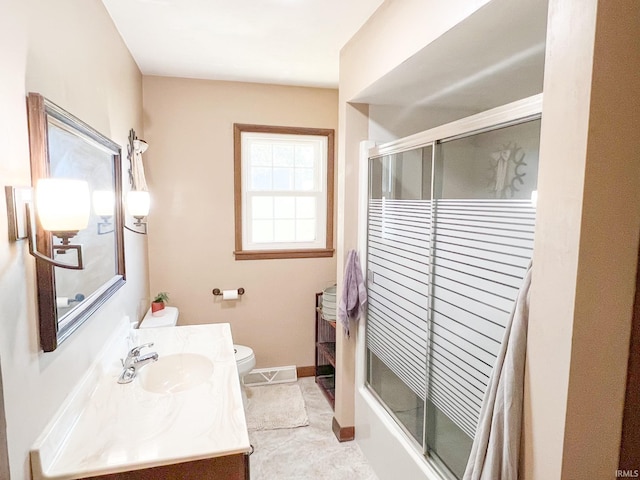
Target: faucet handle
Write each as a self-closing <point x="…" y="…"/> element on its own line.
<point x="135" y="351"/>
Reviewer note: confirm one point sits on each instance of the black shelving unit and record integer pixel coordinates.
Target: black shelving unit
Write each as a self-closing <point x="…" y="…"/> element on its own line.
<point x="325" y="353"/>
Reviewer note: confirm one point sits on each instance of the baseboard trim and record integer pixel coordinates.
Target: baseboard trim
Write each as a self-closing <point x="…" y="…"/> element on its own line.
<point x="343" y="434"/>
<point x="306" y="371"/>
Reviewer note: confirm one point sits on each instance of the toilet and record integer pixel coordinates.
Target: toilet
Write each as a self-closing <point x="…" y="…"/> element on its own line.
<point x="245" y="359"/>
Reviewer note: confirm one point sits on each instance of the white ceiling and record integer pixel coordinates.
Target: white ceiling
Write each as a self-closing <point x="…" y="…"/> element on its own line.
<point x="289" y="42"/>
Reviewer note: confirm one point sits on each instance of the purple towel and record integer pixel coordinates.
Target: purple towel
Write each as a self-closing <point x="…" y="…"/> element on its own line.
<point x="354" y="292"/>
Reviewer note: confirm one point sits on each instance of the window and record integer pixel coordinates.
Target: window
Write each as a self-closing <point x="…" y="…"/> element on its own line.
<point x="283" y="192"/>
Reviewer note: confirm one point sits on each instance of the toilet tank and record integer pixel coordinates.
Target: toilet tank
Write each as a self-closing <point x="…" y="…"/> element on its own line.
<point x="169" y="319"/>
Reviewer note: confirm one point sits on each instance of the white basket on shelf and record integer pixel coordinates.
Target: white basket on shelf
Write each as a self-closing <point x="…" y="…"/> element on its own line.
<point x="329" y="303"/>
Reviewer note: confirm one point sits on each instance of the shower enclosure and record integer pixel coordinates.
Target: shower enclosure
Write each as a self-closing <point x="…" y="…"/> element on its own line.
<point x="450" y="228"/>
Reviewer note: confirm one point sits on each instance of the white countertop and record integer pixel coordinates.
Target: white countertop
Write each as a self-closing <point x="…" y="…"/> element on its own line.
<point x="113" y="427"/>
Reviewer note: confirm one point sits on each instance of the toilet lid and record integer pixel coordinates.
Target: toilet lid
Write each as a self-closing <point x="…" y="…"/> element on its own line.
<point x="242" y="352"/>
<point x="169" y="319"/>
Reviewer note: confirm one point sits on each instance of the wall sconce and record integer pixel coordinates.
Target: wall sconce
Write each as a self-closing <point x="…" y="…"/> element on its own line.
<point x="138" y="205"/>
<point x="62" y="207"/>
<point x="103" y="206"/>
<point x="140" y="146"/>
<point x="138" y="200"/>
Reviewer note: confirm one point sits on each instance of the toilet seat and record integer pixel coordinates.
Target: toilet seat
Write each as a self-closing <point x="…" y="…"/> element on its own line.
<point x="245" y="361"/>
<point x="243" y="354"/>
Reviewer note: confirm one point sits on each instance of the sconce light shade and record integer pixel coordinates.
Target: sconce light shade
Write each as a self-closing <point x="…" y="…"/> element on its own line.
<point x="104" y="203"/>
<point x="138" y="203"/>
<point x="62" y="205"/>
<point x="140" y="146"/>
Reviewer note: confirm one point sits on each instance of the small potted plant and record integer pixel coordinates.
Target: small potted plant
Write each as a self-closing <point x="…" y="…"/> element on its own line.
<point x="157" y="306"/>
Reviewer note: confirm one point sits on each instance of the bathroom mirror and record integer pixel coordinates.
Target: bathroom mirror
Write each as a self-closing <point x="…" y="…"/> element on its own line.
<point x="62" y="146"/>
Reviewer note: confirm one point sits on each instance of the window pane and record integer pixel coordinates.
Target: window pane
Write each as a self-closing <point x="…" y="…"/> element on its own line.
<point x="262" y="231"/>
<point x="283" y="155"/>
<point x="304" y="156"/>
<point x="283" y="179"/>
<point x="260" y="178"/>
<point x="261" y="154"/>
<point x="284" y="207"/>
<point x="284" y="230"/>
<point x="262" y="207"/>
<point x="305" y="179"/>
<point x="305" y="230"/>
<point x="306" y="207"/>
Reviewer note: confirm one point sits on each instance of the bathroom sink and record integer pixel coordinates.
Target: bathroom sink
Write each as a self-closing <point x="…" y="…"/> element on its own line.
<point x="175" y="373"/>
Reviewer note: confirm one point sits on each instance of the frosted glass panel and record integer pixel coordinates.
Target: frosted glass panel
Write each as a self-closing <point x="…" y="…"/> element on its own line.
<point x="397" y="264"/>
<point x="482" y="244"/>
<point x="450" y="235"/>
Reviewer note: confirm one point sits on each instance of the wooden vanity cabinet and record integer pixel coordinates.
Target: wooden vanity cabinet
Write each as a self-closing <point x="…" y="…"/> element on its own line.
<point x="230" y="467"/>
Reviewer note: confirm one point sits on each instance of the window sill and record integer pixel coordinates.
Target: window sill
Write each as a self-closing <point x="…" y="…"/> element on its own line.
<point x="274" y="254"/>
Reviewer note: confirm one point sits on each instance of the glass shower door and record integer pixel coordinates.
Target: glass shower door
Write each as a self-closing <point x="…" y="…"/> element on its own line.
<point x="450" y="236"/>
<point x="398" y="283"/>
<point x="482" y="243"/>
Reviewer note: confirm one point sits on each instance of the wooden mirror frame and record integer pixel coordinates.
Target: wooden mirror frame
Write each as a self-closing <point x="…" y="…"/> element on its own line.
<point x="39" y="110"/>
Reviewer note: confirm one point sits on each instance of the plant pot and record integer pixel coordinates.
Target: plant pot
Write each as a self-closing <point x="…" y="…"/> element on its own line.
<point x="157" y="309"/>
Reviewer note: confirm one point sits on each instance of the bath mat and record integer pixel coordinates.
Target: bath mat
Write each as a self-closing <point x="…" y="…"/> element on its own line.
<point x="275" y="406"/>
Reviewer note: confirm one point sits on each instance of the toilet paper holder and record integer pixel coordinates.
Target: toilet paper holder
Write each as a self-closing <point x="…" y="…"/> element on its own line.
<point x="217" y="291"/>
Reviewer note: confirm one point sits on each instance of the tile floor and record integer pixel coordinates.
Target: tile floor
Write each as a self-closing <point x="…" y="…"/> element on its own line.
<point x="307" y="453"/>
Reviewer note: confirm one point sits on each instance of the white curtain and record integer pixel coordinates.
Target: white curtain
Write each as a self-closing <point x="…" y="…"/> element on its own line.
<point x="137" y="171"/>
<point x="495" y="454"/>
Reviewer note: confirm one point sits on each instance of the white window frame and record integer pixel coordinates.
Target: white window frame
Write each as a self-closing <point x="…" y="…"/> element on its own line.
<point x="323" y="142"/>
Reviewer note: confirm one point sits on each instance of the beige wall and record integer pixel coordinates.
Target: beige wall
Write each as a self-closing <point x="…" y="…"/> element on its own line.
<point x="587" y="233"/>
<point x="586" y="245"/>
<point x="189" y="127"/>
<point x="396" y="31"/>
<point x="70" y="52"/>
<point x="4" y="452"/>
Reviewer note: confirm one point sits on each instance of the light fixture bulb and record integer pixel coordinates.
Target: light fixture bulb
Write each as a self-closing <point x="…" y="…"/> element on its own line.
<point x="138" y="203"/>
<point x="62" y="204"/>
<point x="104" y="203"/>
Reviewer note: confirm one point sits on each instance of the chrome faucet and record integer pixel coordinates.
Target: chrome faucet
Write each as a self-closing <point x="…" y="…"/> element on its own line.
<point x="135" y="361"/>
